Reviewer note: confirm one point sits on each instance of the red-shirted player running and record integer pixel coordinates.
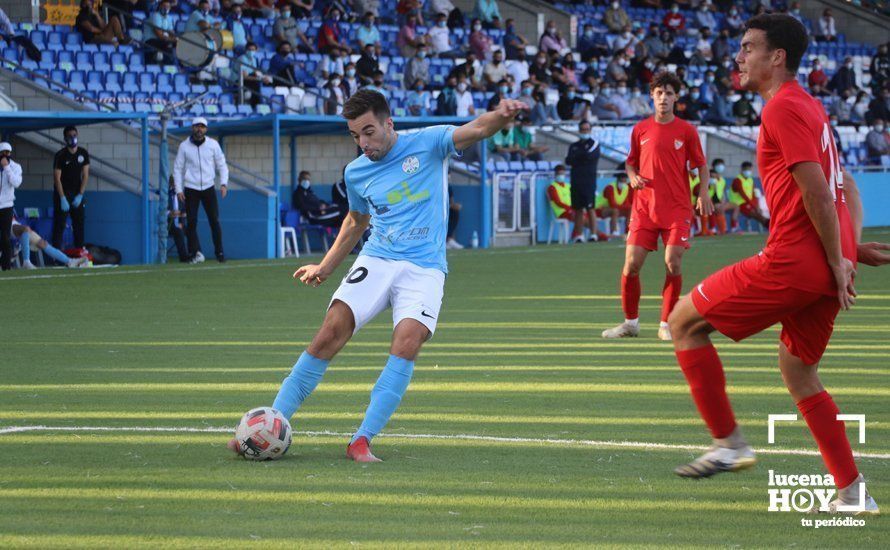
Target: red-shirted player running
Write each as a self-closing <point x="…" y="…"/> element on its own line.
<point x="663" y="148"/>
<point x="801" y="279"/>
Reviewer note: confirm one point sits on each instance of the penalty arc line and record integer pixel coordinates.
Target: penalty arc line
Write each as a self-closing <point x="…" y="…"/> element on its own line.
<point x="640" y="445"/>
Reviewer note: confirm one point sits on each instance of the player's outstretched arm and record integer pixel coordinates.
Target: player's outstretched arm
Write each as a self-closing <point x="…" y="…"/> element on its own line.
<point x="488" y="124"/>
<point x="819" y="204"/>
<point x="873" y="254"/>
<point x="351" y="231"/>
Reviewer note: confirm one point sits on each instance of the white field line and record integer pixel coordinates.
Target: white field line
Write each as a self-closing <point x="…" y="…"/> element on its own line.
<point x="64" y="273"/>
<point x="444" y="437"/>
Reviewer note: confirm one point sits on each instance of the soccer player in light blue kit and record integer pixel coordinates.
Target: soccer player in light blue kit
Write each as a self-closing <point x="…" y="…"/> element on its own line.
<point x="399" y="186"/>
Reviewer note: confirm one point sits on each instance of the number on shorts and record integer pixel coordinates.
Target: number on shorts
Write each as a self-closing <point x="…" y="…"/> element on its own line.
<point x="357" y="275"/>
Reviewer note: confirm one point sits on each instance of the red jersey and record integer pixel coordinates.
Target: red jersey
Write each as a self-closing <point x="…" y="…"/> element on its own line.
<point x="664" y="154"/>
<point x="795" y="129"/>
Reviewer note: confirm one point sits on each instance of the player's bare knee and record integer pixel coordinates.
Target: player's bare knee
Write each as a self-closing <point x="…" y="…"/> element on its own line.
<point x="681" y="320"/>
<point x="406" y="346"/>
<point x="632" y="268"/>
<point x="672" y="266"/>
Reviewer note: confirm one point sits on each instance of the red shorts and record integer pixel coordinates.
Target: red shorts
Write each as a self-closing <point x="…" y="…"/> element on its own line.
<point x="644" y="232"/>
<point x="749" y="208"/>
<point x="743" y="299"/>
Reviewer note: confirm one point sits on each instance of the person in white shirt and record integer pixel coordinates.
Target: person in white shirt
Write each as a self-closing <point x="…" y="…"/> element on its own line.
<point x="641" y="104"/>
<point x="10" y="180"/>
<point x="827" y="29"/>
<point x="440" y="39"/>
<point x="518" y="69"/>
<point x="465" y="106"/>
<point x="621" y="99"/>
<point x="198" y="163"/>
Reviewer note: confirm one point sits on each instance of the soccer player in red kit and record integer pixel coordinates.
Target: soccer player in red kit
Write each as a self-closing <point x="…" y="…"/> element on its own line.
<point x="663" y="149"/>
<point x="803" y="276"/>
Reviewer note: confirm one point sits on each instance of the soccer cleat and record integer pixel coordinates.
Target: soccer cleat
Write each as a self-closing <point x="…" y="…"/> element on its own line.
<point x="850" y="497"/>
<point x="664" y="333"/>
<point x="578" y="239"/>
<point x="451" y="244"/>
<point x="593" y="238"/>
<point x="28" y="265"/>
<point x="360" y="451"/>
<point x="221" y="258"/>
<point x="717" y="460"/>
<point x="198" y="259"/>
<point x="74" y="263"/>
<point x="624" y="330"/>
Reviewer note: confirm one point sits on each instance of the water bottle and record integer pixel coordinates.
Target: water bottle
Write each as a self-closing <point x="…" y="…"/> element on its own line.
<point x="474" y="242"/>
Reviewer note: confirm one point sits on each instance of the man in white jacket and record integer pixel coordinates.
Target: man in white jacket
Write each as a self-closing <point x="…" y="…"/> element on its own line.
<point x="198" y="163"/>
<point x="10" y="179"/>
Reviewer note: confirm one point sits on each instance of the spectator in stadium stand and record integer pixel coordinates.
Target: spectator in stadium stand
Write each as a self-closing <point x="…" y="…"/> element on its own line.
<point x="455" y="16"/>
<point x="645" y="72"/>
<point x="543" y="112"/>
<point x="407" y="8"/>
<point x="621" y="99"/>
<point x="695" y="108"/>
<point x="513" y="41"/>
<point x="285" y="28"/>
<point x="524" y="138"/>
<point x="439" y="38"/>
<point x="201" y="19"/>
<point x="619" y="198"/>
<point x="655" y="46"/>
<point x="704" y="18"/>
<point x="480" y="43"/>
<point x="199" y="161"/>
<point x="368" y="33"/>
<point x="572" y="107"/>
<point x="518" y="70"/>
<point x="742" y="193"/>
<point x="539" y="70"/>
<point x="10" y="180"/>
<point x="329" y="34"/>
<point x="71" y="171"/>
<point x="367" y="65"/>
<point x="489" y="13"/>
<point x="159" y="27"/>
<point x="559" y="195"/>
<point x="702" y="54"/>
<point x="860" y="108"/>
<point x="350" y="83"/>
<point x="552" y="40"/>
<point x="260" y="8"/>
<point x="827" y="27"/>
<point x="676" y="53"/>
<point x="236" y="26"/>
<point x="844" y="79"/>
<point x="95" y="30"/>
<point x="744" y="111"/>
<point x="587" y="42"/>
<point x="615" y="70"/>
<point x="879" y="69"/>
<point x="794" y="11"/>
<point x="615" y="18"/>
<point x="877" y="143"/>
<point x="301" y="8"/>
<point x="446" y="103"/>
<point x="418" y="100"/>
<point x="674" y="21"/>
<point x="464" y="97"/>
<point x="454" y="209"/>
<point x="879" y="107"/>
<point x="471" y="70"/>
<point x="624" y="40"/>
<point x="557" y="73"/>
<point x="502" y="91"/>
<point x="281" y="66"/>
<point x="641" y="104"/>
<point x="603" y="106"/>
<point x="639" y="51"/>
<point x="417" y="68"/>
<point x="333" y="95"/>
<point x="311" y="207"/>
<point x="721" y="47"/>
<point x="8" y="34"/>
<point x="494" y="71"/>
<point x="583" y="157"/>
<point x="367" y="6"/>
<point x="249" y="66"/>
<point x="734" y="22"/>
<point x="502" y="146"/>
<point x="818" y="80"/>
<point x="841" y="107"/>
<point x="408" y="41"/>
<point x="378" y="84"/>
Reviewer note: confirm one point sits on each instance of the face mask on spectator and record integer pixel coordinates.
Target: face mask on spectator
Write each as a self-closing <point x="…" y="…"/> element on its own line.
<point x="749" y="97"/>
<point x="746" y="173"/>
<point x="441" y="23"/>
<point x="526" y="91"/>
<point x="588" y="33"/>
<point x="350" y="73"/>
<point x="675" y="9"/>
<point x="285" y="14"/>
<point x="605" y="92"/>
<point x="719" y="168"/>
<point x="615" y="5"/>
<point x="335" y="82"/>
<point x="304" y="184"/>
<point x="71" y="141"/>
<point x="421" y="54"/>
<point x="477" y="27"/>
<point x="694" y="95"/>
<point x="461" y="87"/>
<point x="584" y="135"/>
<point x="635" y="93"/>
<point x="833" y="122"/>
<point x="622" y="91"/>
<point x="561" y="178"/>
<point x="570" y="95"/>
<point x="504" y="90"/>
<point x="551" y="30"/>
<point x="879" y="128"/>
<point x="164" y="11"/>
<point x="335" y="17"/>
<point x="626" y="34"/>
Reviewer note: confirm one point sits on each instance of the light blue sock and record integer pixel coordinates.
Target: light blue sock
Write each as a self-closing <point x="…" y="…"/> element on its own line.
<point x="305" y="375"/>
<point x="386" y="396"/>
<point x="56" y="254"/>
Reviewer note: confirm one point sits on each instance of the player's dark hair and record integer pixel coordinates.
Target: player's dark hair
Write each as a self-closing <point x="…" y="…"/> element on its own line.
<point x="69" y="129"/>
<point x="558" y="168"/>
<point x="783" y="32"/>
<point x="746" y="164"/>
<point x="366" y="100"/>
<point x="666" y="78"/>
<point x="718" y="161"/>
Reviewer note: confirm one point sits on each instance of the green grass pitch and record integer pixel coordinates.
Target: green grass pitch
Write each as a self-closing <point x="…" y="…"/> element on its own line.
<point x="517" y="363"/>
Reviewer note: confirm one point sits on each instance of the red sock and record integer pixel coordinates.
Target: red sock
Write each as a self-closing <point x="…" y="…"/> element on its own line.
<point x="673" y="285"/>
<point x="720" y="220"/>
<point x="820" y="412"/>
<point x="704" y="373"/>
<point x="630" y="296"/>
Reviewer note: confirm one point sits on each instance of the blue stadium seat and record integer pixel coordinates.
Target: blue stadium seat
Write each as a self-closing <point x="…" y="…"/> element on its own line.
<point x="181" y="83"/>
<point x="58" y="75"/>
<point x="11" y="54"/>
<point x="228" y="109"/>
<point x="95" y="81"/>
<point x="147" y="82"/>
<point x="143" y="107"/>
<point x="516" y="165"/>
<point x="39" y="39"/>
<point x="113" y="82"/>
<point x="100" y="61"/>
<point x="54" y="41"/>
<point x="165" y="83"/>
<point x="245" y="110"/>
<point x="74" y="39"/>
<point x="226" y="99"/>
<point x="130" y="83"/>
<point x="83" y="61"/>
<point x="76" y="81"/>
<point x="92" y="48"/>
<point x="529" y="165"/>
<point x="174" y="97"/>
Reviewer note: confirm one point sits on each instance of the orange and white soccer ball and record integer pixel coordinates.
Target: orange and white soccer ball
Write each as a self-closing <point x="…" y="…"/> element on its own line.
<point x="263" y="434"/>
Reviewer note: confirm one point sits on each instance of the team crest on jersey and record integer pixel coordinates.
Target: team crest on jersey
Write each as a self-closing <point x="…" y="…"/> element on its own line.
<point x="678" y="144"/>
<point x="411" y="165"/>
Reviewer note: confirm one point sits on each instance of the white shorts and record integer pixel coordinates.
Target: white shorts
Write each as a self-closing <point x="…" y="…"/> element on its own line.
<point x="373" y="284"/>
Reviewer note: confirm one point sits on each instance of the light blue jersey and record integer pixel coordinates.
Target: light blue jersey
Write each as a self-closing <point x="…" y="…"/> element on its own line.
<point x="406" y="193"/>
